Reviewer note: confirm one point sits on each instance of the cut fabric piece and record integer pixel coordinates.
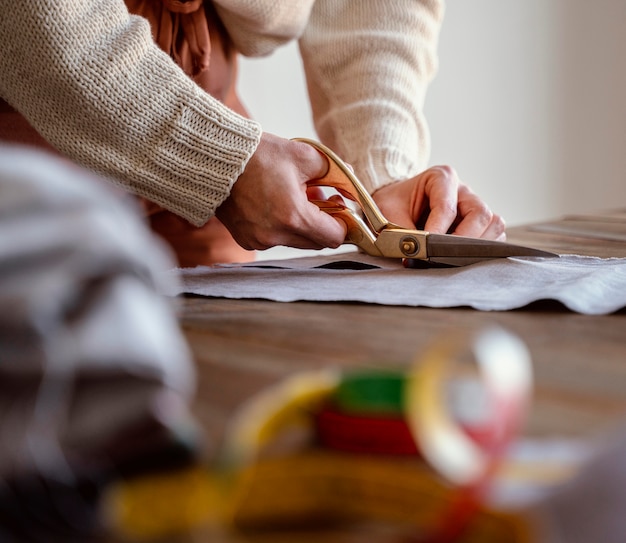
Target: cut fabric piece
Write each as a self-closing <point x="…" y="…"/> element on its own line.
<point x="583" y="284"/>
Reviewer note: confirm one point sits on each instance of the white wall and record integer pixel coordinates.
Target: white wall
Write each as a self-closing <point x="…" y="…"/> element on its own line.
<point x="528" y="104"/>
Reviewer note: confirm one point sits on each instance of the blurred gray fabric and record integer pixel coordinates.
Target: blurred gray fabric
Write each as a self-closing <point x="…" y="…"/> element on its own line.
<point x="90" y="353"/>
<point x="583" y="284"/>
<point x="589" y="507"/>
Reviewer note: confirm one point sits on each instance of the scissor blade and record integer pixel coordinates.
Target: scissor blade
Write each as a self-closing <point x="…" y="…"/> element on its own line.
<point x="462" y="251"/>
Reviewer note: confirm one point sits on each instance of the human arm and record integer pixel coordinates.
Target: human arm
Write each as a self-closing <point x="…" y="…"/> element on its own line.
<point x="90" y="79"/>
<point x="88" y="76"/>
<point x="368" y="65"/>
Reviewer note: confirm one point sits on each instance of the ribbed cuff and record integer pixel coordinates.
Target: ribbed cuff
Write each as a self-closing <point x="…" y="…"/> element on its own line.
<point x="192" y="170"/>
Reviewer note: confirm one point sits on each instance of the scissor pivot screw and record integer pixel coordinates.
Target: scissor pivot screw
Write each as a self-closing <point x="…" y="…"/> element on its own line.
<point x="409" y="246"/>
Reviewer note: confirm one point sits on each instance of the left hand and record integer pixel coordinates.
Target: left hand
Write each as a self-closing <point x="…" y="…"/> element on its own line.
<point x="436" y="200"/>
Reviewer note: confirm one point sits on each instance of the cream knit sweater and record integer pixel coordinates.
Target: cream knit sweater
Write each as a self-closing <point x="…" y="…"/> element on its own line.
<point x="89" y="78"/>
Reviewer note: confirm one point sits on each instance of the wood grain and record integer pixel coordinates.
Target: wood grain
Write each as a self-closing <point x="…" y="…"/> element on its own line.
<point x="242" y="346"/>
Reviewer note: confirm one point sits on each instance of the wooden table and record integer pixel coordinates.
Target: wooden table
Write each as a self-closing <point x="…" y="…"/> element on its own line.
<point x="242" y="346"/>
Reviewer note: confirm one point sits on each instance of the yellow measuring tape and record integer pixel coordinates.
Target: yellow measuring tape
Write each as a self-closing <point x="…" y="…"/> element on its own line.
<point x="270" y="473"/>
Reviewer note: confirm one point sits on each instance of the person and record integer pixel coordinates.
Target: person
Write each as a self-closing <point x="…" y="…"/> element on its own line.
<point x="89" y="80"/>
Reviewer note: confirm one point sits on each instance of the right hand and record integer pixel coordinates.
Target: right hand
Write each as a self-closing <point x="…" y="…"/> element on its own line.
<point x="268" y="203"/>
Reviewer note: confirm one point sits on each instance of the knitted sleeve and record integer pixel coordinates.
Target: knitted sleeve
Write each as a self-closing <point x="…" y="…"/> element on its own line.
<point x="90" y="79"/>
<point x="368" y="64"/>
<point x="258" y="27"/>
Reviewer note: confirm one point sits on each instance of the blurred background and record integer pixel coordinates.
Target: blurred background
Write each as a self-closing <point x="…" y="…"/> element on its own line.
<point x="529" y="104"/>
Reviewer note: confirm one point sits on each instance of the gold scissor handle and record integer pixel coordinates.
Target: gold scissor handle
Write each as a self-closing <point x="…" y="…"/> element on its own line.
<point x="376" y="235"/>
<point x="379" y="237"/>
<point x="358" y="233"/>
<point x="340" y="177"/>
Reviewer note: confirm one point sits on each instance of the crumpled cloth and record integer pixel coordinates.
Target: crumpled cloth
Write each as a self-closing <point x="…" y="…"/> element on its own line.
<point x="95" y="374"/>
<point x="583" y="284"/>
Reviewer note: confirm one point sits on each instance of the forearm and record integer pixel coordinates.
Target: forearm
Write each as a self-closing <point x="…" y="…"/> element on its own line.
<point x="92" y="82"/>
<point x="368" y="65"/>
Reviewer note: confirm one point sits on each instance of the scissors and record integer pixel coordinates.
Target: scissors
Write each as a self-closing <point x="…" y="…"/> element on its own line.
<point x="376" y="236"/>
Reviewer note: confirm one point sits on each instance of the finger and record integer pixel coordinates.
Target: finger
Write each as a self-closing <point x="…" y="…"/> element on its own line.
<point x="475" y="225"/>
<point x="326" y="231"/>
<point x="442" y="186"/>
<point x="475" y="218"/>
<point x="496" y="229"/>
<point x="308" y="227"/>
<point x="315" y="193"/>
<point x="307" y="241"/>
<point x="338" y="199"/>
<point x="300" y="240"/>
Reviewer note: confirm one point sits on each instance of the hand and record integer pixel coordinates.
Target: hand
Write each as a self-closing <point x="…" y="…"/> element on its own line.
<point x="268" y="204"/>
<point x="435" y="200"/>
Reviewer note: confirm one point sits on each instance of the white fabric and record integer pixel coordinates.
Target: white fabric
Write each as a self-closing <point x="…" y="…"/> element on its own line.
<point x="583" y="284"/>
